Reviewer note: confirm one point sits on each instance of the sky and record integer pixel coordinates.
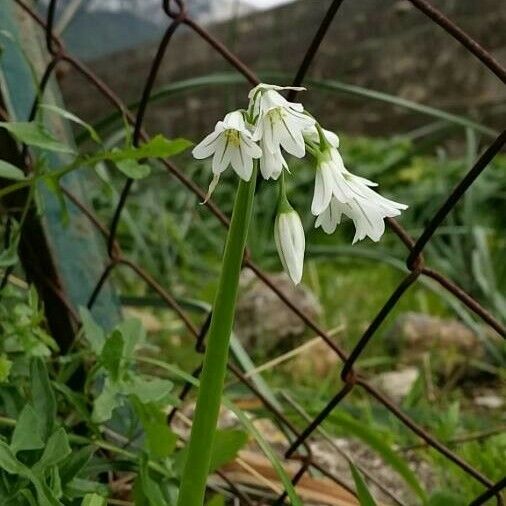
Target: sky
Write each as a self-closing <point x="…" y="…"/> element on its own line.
<point x="265" y="4"/>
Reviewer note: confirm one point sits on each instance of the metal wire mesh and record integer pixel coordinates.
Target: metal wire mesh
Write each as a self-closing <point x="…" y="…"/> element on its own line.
<point x="177" y="16"/>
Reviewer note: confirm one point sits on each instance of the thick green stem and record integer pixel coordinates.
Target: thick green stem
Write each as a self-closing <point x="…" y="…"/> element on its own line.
<point x="193" y="483"/>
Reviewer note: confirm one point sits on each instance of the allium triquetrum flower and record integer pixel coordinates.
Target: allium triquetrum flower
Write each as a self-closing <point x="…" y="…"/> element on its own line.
<point x="338" y="191"/>
<point x="278" y="122"/>
<point x="230" y="144"/>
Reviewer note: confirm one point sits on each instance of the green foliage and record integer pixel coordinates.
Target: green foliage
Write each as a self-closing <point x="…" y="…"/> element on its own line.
<point x="363" y="494"/>
<point x="34" y="134"/>
<point x="9" y="171"/>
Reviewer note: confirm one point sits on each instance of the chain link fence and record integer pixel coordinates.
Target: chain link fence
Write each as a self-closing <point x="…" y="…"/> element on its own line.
<point x="297" y="441"/>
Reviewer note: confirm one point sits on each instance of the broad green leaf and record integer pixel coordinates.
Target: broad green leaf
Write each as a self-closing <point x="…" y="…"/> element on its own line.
<point x="226" y="446"/>
<point x="112" y="354"/>
<point x="5" y="367"/>
<point x="92" y="331"/>
<point x="157" y="147"/>
<point x="80" y="487"/>
<point x="364" y="496"/>
<point x="93" y="500"/>
<point x="8" y="461"/>
<point x="9" y="171"/>
<point x="108" y="400"/>
<point x="133" y="169"/>
<point x="56" y="450"/>
<point x="72" y="117"/>
<point x="34" y="134"/>
<point x="74" y="463"/>
<point x="160" y="440"/>
<point x="27" y="433"/>
<point x="11" y="465"/>
<point x="377" y="443"/>
<point x="133" y="334"/>
<point x="43" y="397"/>
<point x="155" y="390"/>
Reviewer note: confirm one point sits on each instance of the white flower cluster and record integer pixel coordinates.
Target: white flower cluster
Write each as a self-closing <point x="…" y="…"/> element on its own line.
<point x="271" y="126"/>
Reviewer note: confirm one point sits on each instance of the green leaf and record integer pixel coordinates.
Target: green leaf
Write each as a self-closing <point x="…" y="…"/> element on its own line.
<point x="133" y="334"/>
<point x="146" y="490"/>
<point x="75" y="462"/>
<point x="445" y="498"/>
<point x="43" y="397"/>
<point x="160" y="440"/>
<point x="108" y="400"/>
<point x="226" y="446"/>
<point x="364" y="496"/>
<point x="72" y="117"/>
<point x="112" y="354"/>
<point x="56" y="450"/>
<point x="27" y="433"/>
<point x="157" y="147"/>
<point x="155" y="390"/>
<point x="377" y="443"/>
<point x="8" y="461"/>
<point x="92" y="331"/>
<point x="11" y="465"/>
<point x="133" y="169"/>
<point x="34" y="134"/>
<point x="93" y="500"/>
<point x="216" y="500"/>
<point x="9" y="171"/>
<point x="5" y="367"/>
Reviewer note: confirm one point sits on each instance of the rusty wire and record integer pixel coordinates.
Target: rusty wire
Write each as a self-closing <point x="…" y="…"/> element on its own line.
<point x="177" y="15"/>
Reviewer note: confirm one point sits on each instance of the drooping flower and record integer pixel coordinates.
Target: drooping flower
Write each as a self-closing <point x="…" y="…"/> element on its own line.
<point x="290" y="241"/>
<point x="368" y="215"/>
<point x="229" y="144"/>
<point x="333" y="179"/>
<point x="279" y="123"/>
<point x="338" y="191"/>
<point x="271" y="164"/>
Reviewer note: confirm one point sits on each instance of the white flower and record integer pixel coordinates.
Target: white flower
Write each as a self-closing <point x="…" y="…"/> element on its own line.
<point x="279" y="123"/>
<point x="256" y="98"/>
<point x="271" y="164"/>
<point x="333" y="179"/>
<point x="367" y="214"/>
<point x="230" y="144"/>
<point x="312" y="135"/>
<point x="338" y="191"/>
<point x="290" y="242"/>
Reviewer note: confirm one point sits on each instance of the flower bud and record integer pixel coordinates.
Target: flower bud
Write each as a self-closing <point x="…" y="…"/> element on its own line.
<point x="290" y="241"/>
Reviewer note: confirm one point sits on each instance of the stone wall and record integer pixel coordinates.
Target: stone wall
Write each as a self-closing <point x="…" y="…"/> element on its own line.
<point x="385" y="45"/>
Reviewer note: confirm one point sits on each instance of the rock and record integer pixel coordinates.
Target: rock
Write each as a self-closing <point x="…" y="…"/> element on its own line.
<point x="448" y="344"/>
<point x="490" y="401"/>
<point x="419" y="332"/>
<point x="263" y="322"/>
<point x="317" y="361"/>
<point x="396" y="384"/>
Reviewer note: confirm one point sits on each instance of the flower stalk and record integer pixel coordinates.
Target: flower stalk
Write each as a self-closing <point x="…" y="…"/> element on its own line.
<point x="196" y="469"/>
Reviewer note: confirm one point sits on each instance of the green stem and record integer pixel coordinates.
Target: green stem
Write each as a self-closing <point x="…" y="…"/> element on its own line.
<point x="193" y="483"/>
